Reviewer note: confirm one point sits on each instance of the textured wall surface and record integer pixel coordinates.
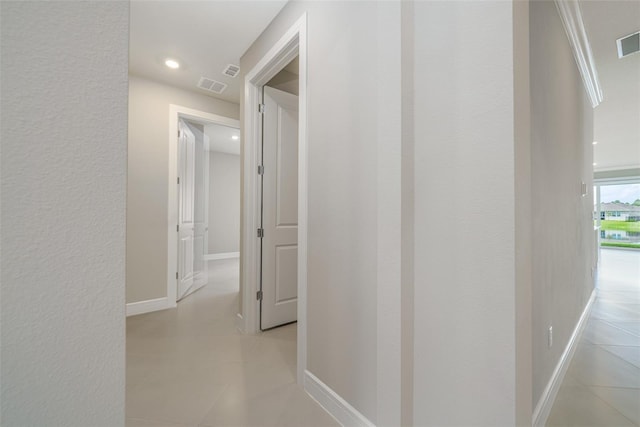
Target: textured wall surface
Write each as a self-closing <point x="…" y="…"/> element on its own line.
<point x="465" y="266"/>
<point x="224" y="202"/>
<point x="562" y="157"/>
<point x="64" y="147"/>
<point x="148" y="174"/>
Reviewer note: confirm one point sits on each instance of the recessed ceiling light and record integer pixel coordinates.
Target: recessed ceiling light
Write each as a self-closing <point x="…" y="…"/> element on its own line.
<point x="234" y="137"/>
<point x="594" y="163"/>
<point x="172" y="63"/>
<point x="595" y="142"/>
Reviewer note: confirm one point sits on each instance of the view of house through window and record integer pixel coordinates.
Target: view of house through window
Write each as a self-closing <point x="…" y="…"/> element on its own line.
<point x="618" y="215"/>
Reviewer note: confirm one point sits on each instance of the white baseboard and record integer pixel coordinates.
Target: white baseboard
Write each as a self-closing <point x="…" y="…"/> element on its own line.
<point x="335" y="405"/>
<point x="223" y="255"/>
<point x="147" y="306"/>
<point x="543" y="408"/>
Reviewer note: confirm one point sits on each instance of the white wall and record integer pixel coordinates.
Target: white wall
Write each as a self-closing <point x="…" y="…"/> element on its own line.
<point x="510" y="136"/>
<point x="562" y="157"/>
<point x="224" y="202"/>
<point x="64" y="124"/>
<point x="466" y="137"/>
<point x="354" y="181"/>
<point x="468" y="351"/>
<point x="147" y="180"/>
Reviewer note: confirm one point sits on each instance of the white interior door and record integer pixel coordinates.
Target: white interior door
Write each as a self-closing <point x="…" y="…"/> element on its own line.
<point x="186" y="194"/>
<point x="280" y="209"/>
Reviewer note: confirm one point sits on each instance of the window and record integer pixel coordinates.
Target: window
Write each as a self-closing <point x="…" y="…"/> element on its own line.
<point x="619" y="228"/>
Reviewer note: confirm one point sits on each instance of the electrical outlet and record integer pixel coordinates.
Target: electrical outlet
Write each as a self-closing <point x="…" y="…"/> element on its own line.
<point x="550" y="336"/>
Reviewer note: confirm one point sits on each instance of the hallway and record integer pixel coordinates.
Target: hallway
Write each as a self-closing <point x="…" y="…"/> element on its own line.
<point x="602" y="384"/>
<point x="189" y="366"/>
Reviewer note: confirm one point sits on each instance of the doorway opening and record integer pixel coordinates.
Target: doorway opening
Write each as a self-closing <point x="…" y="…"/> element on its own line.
<point x="278" y="287"/>
<point x="274" y="259"/>
<point x="208" y="203"/>
<point x="195" y="219"/>
<point x="192" y="273"/>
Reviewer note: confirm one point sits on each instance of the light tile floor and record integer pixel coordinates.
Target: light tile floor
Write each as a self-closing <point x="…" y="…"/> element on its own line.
<point x="189" y="366"/>
<point x="602" y="384"/>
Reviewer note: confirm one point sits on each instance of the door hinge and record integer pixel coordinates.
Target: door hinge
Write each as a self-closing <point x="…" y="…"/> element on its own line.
<point x="178" y="228"/>
<point x="178" y="133"/>
<point x="261" y="108"/>
<point x="178" y="180"/>
<point x="260" y="233"/>
<point x="260" y="170"/>
<point x="259" y="295"/>
<point x="176" y="275"/>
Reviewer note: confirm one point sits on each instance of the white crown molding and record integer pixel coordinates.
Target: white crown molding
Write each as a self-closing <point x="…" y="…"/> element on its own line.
<point x="571" y="17"/>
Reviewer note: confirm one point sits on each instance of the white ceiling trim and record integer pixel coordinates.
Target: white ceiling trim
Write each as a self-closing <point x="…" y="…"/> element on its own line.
<point x="571" y="17"/>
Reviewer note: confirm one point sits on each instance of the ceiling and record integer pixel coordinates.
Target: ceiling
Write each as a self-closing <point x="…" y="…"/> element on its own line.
<point x="617" y="118"/>
<point x="220" y="139"/>
<point x="204" y="36"/>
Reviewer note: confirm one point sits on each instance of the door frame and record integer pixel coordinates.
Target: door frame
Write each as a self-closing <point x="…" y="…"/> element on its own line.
<point x="293" y="43"/>
<point x="177" y="112"/>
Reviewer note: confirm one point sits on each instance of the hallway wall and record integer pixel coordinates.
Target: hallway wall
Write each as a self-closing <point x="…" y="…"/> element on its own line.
<point x="224" y="202"/>
<point x="562" y="157"/>
<point x="354" y="197"/>
<point x="470" y="144"/>
<point x="482" y="292"/>
<point x="63" y="174"/>
<point x="148" y="171"/>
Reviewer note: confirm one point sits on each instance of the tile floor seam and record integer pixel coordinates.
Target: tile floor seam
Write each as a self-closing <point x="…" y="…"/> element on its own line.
<point x="614" y="320"/>
<point x="612" y="387"/>
<point x="634" y="365"/>
<point x="199" y="423"/>
<point x="160" y="421"/>
<point x="587" y="388"/>
<point x="608" y="322"/>
<point x="617" y="345"/>
<point x="211" y="371"/>
<point x="611" y="406"/>
<point x="619" y="357"/>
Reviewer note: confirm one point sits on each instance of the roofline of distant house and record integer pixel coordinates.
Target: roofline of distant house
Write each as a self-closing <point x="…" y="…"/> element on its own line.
<point x="620" y="207"/>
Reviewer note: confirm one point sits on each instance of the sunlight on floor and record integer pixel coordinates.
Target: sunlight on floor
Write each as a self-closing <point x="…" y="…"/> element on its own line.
<point x="602" y="384"/>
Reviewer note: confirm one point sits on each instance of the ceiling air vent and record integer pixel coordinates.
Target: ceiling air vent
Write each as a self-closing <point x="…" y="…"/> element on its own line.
<point x="231" y="70"/>
<point x="628" y="45"/>
<point x="211" y="85"/>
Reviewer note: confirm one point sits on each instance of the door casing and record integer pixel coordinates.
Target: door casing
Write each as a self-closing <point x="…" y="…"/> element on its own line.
<point x="293" y="43"/>
<point x="177" y="112"/>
